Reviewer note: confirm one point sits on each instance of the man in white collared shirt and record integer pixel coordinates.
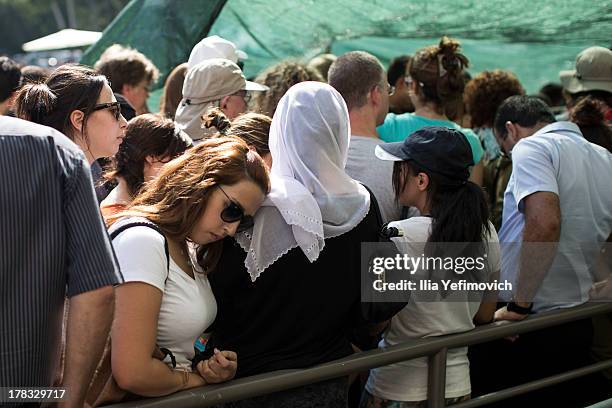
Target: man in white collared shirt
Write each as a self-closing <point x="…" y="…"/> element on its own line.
<point x="557" y="216"/>
<point x="558" y="193"/>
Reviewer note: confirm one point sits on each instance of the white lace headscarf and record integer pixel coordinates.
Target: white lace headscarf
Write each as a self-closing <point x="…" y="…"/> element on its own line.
<point x="312" y="197"/>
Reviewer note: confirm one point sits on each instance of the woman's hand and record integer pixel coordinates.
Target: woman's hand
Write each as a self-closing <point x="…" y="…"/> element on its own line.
<point x="219" y="368"/>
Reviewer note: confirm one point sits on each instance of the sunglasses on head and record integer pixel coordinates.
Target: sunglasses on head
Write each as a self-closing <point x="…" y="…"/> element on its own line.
<point x="114" y="107"/>
<point x="234" y="213"/>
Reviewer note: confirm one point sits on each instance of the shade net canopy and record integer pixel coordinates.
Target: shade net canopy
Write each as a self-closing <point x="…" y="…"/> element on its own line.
<point x="533" y="39"/>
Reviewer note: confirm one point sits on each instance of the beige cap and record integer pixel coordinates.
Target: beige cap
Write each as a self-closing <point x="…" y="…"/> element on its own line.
<point x="593" y="71"/>
<point x="211" y="80"/>
<point x="215" y="47"/>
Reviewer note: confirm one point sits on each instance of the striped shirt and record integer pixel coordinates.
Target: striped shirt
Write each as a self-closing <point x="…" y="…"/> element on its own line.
<point x="52" y="243"/>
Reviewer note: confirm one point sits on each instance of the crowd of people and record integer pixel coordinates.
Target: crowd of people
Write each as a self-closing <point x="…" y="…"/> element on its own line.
<point x="146" y="253"/>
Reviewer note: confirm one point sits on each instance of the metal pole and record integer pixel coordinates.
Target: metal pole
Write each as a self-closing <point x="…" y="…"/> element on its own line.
<point x="535" y="385"/>
<point x="436" y="379"/>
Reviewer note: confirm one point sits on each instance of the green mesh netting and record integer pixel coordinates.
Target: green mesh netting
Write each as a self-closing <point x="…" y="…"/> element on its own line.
<point x="534" y="39"/>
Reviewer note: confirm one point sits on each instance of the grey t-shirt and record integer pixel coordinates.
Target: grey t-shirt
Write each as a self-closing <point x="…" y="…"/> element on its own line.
<point x="365" y="167"/>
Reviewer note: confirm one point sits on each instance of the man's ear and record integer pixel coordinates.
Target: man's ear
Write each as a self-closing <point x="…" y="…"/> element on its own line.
<point x="511" y="131"/>
<point x="223" y="102"/>
<point x="375" y="96"/>
<point x="77" y="118"/>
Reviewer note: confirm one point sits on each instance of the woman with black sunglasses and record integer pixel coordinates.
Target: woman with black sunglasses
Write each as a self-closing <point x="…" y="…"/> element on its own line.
<point x="166" y="302"/>
<point x="77" y="101"/>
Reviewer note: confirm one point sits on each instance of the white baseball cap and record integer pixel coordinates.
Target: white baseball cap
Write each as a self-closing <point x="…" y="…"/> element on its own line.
<point x="215" y="47"/>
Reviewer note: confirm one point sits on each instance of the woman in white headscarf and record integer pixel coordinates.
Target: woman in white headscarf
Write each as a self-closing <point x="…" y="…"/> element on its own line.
<point x="288" y="290"/>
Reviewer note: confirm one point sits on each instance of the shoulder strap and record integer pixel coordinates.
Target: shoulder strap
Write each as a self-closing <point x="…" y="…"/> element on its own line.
<point x="142" y="223"/>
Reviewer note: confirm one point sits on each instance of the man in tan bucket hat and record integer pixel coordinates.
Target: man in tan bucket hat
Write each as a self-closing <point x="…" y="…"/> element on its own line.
<point x="593" y="72"/>
<point x="592" y="77"/>
<point x="215" y="82"/>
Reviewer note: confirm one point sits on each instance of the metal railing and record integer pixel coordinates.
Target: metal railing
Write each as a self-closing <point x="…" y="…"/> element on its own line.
<point x="434" y="348"/>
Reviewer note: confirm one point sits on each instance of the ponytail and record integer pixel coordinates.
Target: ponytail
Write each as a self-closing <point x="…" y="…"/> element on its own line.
<point x="253" y="128"/>
<point x="460" y="214"/>
<point x="215" y="118"/>
<point x="69" y="88"/>
<point x="35" y="102"/>
<point x="459" y="209"/>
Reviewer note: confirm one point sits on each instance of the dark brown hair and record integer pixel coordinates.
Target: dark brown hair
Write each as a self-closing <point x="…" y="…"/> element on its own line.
<point x="145" y="135"/>
<point x="279" y="78"/>
<point x="125" y="66"/>
<point x="439" y="72"/>
<point x="354" y="74"/>
<point x="177" y="198"/>
<point x="173" y="91"/>
<point x="69" y="88"/>
<point x="32" y="74"/>
<point x="10" y="77"/>
<point x="588" y="115"/>
<point x="253" y="128"/>
<point x="459" y="213"/>
<point x="486" y="91"/>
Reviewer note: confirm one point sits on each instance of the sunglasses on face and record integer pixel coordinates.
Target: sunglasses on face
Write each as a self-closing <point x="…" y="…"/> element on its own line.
<point x="234" y="213"/>
<point x="114" y="107"/>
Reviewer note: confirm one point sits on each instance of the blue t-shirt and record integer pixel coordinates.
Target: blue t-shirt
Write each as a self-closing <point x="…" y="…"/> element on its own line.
<point x="397" y="127"/>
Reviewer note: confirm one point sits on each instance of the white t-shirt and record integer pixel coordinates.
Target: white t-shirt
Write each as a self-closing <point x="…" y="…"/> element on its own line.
<point x="188" y="305"/>
<point x="558" y="159"/>
<point x="407" y="380"/>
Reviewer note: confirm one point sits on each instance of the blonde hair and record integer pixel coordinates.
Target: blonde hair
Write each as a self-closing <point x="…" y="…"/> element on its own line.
<point x="279" y="78"/>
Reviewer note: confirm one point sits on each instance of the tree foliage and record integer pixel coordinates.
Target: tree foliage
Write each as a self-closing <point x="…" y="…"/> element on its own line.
<point x="25" y="20"/>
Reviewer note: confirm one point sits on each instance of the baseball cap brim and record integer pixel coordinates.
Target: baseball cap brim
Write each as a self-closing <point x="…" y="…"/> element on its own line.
<point x="254" y="86"/>
<point x="391" y="152"/>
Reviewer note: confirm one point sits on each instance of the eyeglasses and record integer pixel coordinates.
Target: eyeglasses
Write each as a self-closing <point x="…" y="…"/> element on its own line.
<point x="234" y="213"/>
<point x="390" y="88"/>
<point x="244" y="95"/>
<point x="114" y="107"/>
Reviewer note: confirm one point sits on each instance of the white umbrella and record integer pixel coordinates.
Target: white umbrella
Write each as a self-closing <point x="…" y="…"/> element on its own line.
<point x="63" y="39"/>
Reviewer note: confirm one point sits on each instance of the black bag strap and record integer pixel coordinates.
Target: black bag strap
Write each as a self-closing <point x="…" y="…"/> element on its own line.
<point x="142" y="223"/>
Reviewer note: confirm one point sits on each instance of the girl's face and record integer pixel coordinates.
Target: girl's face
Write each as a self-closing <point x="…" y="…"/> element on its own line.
<point x="246" y="195"/>
<point x="105" y="128"/>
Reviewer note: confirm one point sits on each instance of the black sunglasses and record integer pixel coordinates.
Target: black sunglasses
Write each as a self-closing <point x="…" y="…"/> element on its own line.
<point x="114" y="107"/>
<point x="234" y="213"/>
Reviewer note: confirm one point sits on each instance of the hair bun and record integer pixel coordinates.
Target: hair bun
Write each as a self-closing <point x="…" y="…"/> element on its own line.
<point x="449" y="57"/>
<point x="215" y="118"/>
<point x="35" y="102"/>
<point x="448" y="46"/>
<point x="588" y="112"/>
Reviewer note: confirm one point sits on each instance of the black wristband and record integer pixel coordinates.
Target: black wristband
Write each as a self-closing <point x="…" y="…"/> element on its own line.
<point x="513" y="307"/>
